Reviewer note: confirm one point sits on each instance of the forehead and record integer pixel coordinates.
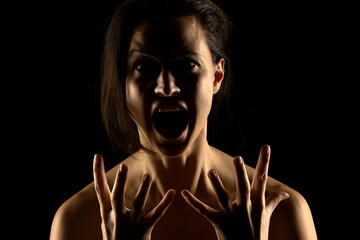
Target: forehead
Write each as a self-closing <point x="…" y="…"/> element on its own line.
<point x="170" y="36"/>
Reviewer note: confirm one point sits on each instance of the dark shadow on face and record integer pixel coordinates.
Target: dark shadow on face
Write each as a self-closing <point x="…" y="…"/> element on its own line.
<point x="170" y="70"/>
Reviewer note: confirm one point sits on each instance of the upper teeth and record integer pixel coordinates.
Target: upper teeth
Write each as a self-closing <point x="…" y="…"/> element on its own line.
<point x="169" y="109"/>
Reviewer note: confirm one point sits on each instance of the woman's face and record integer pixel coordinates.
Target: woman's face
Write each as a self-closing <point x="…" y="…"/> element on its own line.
<point x="170" y="84"/>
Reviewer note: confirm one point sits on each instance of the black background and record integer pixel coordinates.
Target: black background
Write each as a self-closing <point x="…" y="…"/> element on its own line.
<point x="290" y="91"/>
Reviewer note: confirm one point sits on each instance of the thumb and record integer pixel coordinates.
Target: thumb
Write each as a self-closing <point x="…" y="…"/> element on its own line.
<point x="274" y="199"/>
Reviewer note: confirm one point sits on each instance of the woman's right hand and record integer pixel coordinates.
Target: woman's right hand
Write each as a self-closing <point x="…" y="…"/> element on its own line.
<point x="117" y="221"/>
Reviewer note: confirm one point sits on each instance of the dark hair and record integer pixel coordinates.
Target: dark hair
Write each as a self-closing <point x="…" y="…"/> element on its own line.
<point x="121" y="129"/>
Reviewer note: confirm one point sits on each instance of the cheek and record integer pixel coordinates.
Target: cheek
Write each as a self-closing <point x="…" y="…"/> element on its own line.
<point x="131" y="96"/>
<point x="205" y="92"/>
<point x="204" y="103"/>
<point x="134" y="101"/>
<point x="138" y="105"/>
<point x="202" y="99"/>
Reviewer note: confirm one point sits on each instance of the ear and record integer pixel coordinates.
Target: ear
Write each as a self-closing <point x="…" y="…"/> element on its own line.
<point x="219" y="75"/>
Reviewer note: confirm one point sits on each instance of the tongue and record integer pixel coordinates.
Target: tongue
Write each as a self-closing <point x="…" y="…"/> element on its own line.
<point x="170" y="124"/>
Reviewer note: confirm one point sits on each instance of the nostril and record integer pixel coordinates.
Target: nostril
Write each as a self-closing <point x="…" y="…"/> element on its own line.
<point x="174" y="90"/>
<point x="167" y="91"/>
<point x="166" y="85"/>
<point x="159" y="89"/>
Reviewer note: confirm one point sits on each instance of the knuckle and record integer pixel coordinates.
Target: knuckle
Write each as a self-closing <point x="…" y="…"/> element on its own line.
<point x="137" y="207"/>
<point x="263" y="177"/>
<point x="97" y="188"/>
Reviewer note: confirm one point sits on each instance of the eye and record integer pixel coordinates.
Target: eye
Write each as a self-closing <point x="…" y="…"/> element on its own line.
<point x="146" y="67"/>
<point x="143" y="67"/>
<point x="185" y="65"/>
<point x="188" y="64"/>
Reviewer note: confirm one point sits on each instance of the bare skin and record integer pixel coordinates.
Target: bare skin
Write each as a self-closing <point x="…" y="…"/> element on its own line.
<point x="290" y="220"/>
<point x="188" y="189"/>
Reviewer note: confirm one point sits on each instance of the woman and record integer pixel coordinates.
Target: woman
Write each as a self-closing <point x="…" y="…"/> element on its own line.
<point x="164" y="67"/>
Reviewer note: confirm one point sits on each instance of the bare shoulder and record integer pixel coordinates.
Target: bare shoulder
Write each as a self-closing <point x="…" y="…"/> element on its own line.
<point x="292" y="218"/>
<point x="80" y="212"/>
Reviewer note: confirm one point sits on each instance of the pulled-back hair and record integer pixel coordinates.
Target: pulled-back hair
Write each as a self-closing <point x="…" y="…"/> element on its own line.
<point x="120" y="128"/>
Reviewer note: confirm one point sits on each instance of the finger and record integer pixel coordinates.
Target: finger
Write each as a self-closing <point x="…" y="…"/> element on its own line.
<point x="274" y="199"/>
<point x="221" y="194"/>
<point x="199" y="206"/>
<point x="161" y="208"/>
<point x="101" y="186"/>
<point x="141" y="195"/>
<point x="258" y="185"/>
<point x="242" y="182"/>
<point x="119" y="189"/>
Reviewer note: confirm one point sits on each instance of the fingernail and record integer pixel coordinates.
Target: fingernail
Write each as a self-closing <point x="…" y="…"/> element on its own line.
<point x="239" y="160"/>
<point x="285" y="195"/>
<point x="212" y="174"/>
<point x="147" y="177"/>
<point x="185" y="193"/>
<point x="123" y="168"/>
<point x="172" y="192"/>
<point x="96" y="159"/>
<point x="267" y="149"/>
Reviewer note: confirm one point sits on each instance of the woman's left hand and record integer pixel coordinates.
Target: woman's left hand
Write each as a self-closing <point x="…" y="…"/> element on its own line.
<point x="248" y="216"/>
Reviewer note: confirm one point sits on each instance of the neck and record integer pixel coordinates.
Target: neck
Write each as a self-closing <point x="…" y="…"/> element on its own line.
<point x="187" y="171"/>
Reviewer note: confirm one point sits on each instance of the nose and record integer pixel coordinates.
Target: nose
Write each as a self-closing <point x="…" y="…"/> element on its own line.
<point x="166" y="85"/>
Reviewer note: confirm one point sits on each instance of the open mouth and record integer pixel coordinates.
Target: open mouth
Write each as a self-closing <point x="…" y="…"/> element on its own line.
<point x="170" y="122"/>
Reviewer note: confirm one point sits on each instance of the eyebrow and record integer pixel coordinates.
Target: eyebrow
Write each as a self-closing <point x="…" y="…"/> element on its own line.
<point x="142" y="49"/>
<point x="177" y="54"/>
<point x="139" y="47"/>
